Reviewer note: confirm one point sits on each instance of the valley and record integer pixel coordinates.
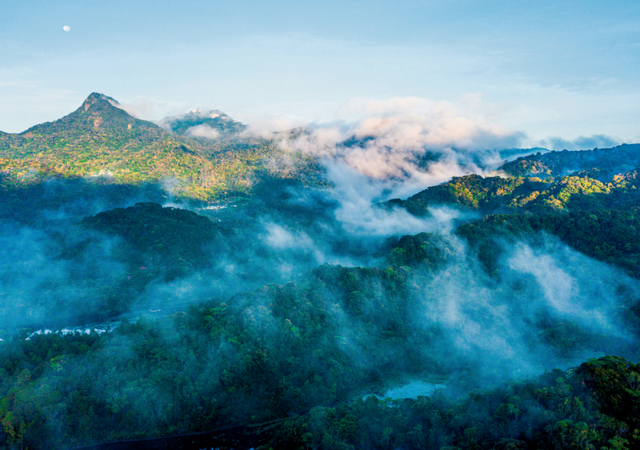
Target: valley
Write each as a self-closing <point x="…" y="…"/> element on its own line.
<point x="199" y="280"/>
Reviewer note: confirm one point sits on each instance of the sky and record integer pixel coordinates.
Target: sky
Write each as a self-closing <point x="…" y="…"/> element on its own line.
<point x="563" y="74"/>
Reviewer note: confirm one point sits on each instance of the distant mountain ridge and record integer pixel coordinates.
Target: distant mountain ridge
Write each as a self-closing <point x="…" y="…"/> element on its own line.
<point x="206" y="155"/>
<point x="99" y="139"/>
<point x="601" y="163"/>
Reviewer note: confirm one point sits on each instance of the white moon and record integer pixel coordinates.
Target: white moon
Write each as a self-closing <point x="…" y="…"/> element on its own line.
<point x="66" y="28"/>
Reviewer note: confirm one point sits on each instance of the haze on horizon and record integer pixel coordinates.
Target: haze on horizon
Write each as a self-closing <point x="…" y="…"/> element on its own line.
<point x="563" y="74"/>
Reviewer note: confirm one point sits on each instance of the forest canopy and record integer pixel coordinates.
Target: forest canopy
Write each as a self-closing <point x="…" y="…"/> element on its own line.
<point x="157" y="283"/>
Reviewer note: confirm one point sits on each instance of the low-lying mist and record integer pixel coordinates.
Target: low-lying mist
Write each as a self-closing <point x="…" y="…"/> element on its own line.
<point x="241" y="355"/>
<point x="296" y="297"/>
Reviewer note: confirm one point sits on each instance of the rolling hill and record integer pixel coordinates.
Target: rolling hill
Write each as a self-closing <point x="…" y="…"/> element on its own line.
<point x="554" y="182"/>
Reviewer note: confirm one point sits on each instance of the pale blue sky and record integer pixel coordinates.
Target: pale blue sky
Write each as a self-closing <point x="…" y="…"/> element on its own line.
<point x="549" y="69"/>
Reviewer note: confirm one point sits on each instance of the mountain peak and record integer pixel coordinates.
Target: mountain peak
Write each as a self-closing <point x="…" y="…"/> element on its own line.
<point x="99" y="99"/>
<point x="98" y="113"/>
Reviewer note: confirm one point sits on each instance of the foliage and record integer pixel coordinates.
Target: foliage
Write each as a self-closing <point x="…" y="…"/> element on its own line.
<point x="303" y="350"/>
<point x="213" y="120"/>
<point x="255" y="357"/>
<point x="607" y="235"/>
<point x="168" y="240"/>
<point x="421" y="251"/>
<point x="493" y="195"/>
<point x="261" y="355"/>
<point x="101" y="141"/>
<point x="592" y="407"/>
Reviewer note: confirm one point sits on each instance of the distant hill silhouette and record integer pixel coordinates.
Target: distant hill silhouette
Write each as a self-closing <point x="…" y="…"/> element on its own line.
<point x="602" y="163"/>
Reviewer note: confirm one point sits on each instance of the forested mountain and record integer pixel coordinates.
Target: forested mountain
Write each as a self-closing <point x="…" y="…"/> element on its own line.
<point x="598" y="218"/>
<point x="166" y="242"/>
<point x="97" y="139"/>
<point x="595" y="179"/>
<point x="156" y="283"/>
<point x="209" y="124"/>
<point x="101" y="140"/>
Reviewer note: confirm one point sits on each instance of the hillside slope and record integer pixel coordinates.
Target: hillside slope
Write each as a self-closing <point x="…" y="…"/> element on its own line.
<point x="548" y="183"/>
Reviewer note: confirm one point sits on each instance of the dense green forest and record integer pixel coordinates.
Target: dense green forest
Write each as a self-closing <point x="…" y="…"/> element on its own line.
<point x="592" y="406"/>
<point x="159" y="281"/>
<point x="282" y="350"/>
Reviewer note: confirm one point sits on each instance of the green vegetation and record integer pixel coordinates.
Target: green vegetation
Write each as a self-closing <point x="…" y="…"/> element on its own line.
<point x="553" y="182"/>
<point x="607" y="235"/>
<point x="103" y="142"/>
<point x="213" y="120"/>
<point x="424" y="251"/>
<point x="495" y="195"/>
<point x="604" y="162"/>
<point x="592" y="407"/>
<point x="166" y="241"/>
<point x="254" y="357"/>
<point x="285" y="349"/>
<point x="597" y="218"/>
<point x="271" y="333"/>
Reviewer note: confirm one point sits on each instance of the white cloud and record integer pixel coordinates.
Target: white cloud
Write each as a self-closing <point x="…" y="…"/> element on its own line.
<point x="410" y="139"/>
<point x="204" y="131"/>
<point x="268" y="125"/>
